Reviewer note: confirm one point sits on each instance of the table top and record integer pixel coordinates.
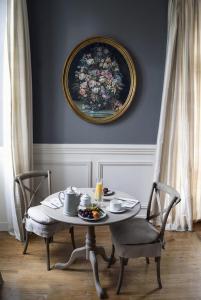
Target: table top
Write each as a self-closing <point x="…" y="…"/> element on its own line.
<point x="58" y="215"/>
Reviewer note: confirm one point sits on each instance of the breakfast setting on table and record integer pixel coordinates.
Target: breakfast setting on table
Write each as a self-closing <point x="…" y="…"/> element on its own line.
<point x="90" y="204"/>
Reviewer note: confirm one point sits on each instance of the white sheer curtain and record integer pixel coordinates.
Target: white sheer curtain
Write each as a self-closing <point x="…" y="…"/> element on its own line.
<point x="178" y="159"/>
<point x="17" y="97"/>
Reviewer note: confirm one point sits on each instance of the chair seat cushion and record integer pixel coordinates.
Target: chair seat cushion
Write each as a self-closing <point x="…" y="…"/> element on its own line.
<point x="38" y="215"/>
<point x="135" y="231"/>
<point x="44" y="230"/>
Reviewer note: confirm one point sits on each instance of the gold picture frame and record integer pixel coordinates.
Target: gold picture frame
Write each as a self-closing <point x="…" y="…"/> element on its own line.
<point x="99" y="80"/>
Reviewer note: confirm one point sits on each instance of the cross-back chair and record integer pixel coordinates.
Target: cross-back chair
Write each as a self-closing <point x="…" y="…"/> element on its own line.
<point x="35" y="221"/>
<point x="139" y="237"/>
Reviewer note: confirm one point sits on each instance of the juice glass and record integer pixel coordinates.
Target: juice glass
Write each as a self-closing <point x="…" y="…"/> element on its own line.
<point x="99" y="192"/>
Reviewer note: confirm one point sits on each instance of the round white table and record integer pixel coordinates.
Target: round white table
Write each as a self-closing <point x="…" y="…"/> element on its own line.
<point x="89" y="251"/>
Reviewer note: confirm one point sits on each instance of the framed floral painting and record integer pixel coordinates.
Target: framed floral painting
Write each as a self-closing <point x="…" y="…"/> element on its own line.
<point x="99" y="80"/>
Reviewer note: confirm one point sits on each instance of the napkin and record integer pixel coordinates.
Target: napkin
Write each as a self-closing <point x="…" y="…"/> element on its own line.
<point x="128" y="202"/>
<point x="52" y="202"/>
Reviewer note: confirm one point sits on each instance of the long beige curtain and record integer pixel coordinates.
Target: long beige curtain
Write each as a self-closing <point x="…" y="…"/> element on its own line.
<point x="178" y="158"/>
<point x="17" y="96"/>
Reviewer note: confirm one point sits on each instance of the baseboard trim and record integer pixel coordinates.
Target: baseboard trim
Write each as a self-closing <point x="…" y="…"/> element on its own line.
<point x="3" y="226"/>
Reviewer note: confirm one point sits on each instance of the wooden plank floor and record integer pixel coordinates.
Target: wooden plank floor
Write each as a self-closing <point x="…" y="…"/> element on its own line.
<point x="26" y="278"/>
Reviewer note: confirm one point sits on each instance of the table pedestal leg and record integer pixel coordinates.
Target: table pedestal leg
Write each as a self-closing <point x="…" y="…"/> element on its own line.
<point x="77" y="253"/>
<point x="89" y="252"/>
<point x="94" y="263"/>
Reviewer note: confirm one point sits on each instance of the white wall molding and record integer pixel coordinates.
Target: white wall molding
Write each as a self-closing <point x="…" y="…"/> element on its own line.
<point x="66" y="172"/>
<point x="101" y="164"/>
<point x="127" y="167"/>
<point x="55" y="162"/>
<point x="114" y="149"/>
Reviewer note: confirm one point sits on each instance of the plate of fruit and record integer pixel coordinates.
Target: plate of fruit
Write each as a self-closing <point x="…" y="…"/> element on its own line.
<point x="91" y="214"/>
<point x="107" y="192"/>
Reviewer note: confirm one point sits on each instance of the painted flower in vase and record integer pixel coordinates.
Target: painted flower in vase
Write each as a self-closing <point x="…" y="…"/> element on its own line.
<point x="98" y="81"/>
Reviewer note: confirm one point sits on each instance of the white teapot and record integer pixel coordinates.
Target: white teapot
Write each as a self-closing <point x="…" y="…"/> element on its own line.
<point x="71" y="200"/>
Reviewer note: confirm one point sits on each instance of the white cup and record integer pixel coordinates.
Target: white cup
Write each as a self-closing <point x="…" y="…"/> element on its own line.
<point x="115" y="205"/>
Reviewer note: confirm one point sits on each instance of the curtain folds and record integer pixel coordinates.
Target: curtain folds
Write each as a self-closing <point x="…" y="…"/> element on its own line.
<point x="178" y="162"/>
<point x="17" y="86"/>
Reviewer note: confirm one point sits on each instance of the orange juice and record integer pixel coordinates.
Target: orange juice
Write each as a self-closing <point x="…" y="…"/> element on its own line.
<point x="99" y="191"/>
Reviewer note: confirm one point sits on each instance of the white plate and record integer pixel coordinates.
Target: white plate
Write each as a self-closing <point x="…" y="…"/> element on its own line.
<point x="117" y="211"/>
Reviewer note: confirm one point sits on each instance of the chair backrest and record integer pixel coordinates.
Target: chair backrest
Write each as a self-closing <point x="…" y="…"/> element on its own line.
<point x="30" y="183"/>
<point x="163" y="205"/>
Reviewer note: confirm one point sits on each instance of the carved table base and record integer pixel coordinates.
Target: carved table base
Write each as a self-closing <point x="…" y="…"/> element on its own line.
<point x="88" y="252"/>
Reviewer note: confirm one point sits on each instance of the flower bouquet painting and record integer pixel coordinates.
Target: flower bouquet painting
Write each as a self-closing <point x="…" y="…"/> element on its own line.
<point x="99" y="80"/>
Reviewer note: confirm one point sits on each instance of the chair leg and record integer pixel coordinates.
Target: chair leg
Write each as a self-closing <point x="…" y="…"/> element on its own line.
<point x="147" y="260"/>
<point x="47" y="242"/>
<point x="71" y="231"/>
<point x="157" y="260"/>
<point x="51" y="239"/>
<point x="112" y="258"/>
<point x="123" y="262"/>
<point x="27" y="234"/>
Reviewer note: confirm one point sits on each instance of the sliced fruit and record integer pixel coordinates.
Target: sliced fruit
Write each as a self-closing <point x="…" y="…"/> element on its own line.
<point x="96" y="214"/>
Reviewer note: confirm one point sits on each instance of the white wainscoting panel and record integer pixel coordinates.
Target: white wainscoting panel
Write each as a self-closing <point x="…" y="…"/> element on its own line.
<point x="134" y="177"/>
<point x="68" y="173"/>
<point x="124" y="167"/>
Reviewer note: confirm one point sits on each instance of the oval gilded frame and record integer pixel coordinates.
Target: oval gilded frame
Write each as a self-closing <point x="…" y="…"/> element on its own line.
<point x="132" y="73"/>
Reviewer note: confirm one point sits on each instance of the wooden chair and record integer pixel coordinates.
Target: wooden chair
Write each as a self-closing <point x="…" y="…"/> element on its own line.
<point x="35" y="220"/>
<point x="138" y="237"/>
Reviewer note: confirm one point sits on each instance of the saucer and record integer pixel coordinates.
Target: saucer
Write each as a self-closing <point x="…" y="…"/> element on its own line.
<point x="123" y="209"/>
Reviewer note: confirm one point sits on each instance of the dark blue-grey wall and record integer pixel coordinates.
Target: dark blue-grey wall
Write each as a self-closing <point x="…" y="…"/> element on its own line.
<point x="57" y="26"/>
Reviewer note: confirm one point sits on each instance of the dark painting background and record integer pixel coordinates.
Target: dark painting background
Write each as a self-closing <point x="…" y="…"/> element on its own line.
<point x="114" y="55"/>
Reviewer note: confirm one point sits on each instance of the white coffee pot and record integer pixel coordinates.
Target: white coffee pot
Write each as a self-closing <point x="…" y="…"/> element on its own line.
<point x="71" y="199"/>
